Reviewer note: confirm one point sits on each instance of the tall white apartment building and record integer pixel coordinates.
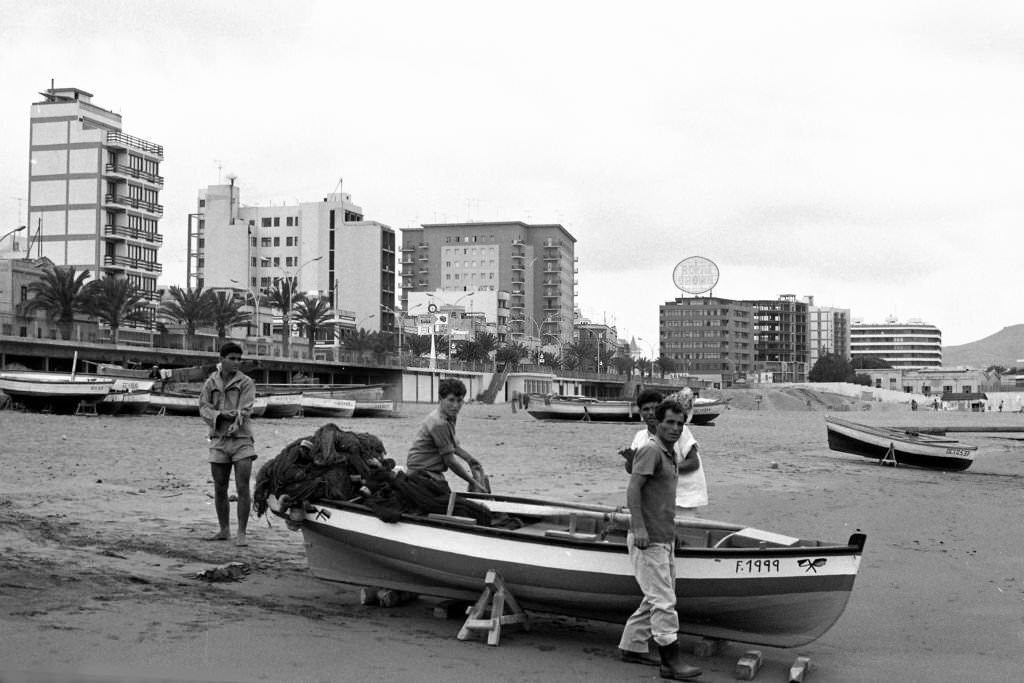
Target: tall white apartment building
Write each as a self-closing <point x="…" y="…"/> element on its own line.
<point x="94" y="194"/>
<point x="828" y="331"/>
<point x="326" y="246"/>
<point x="913" y="344"/>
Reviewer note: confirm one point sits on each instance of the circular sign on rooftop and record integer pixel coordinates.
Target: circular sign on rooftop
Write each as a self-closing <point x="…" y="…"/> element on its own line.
<point x="695" y="275"/>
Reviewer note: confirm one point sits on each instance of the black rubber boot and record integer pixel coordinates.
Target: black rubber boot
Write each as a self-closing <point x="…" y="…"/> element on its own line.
<point x="672" y="665"/>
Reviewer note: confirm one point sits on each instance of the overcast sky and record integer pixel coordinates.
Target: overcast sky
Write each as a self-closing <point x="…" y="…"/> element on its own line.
<point x="868" y="154"/>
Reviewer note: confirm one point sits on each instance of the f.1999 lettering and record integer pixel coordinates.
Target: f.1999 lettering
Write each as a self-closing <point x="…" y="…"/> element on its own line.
<point x="756" y="566"/>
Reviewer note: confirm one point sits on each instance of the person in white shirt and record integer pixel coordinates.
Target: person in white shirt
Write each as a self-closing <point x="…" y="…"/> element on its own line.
<point x="692" y="490"/>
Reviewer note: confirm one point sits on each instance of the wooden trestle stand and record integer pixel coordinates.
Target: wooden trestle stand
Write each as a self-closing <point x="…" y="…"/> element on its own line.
<point x="493" y="600"/>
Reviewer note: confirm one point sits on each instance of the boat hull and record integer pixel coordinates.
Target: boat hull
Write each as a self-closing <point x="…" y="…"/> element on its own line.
<point x="704" y="410"/>
<point x="175" y="404"/>
<point x="53" y="394"/>
<point x="782" y="597"/>
<point x="907" y="449"/>
<point x="374" y="408"/>
<point x="124" y="403"/>
<point x="281" y="406"/>
<point x="327" y="406"/>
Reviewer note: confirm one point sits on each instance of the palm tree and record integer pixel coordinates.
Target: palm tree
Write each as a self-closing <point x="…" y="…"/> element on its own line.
<point x="665" y="364"/>
<point x="511" y="353"/>
<point x="312" y="313"/>
<point x="188" y="306"/>
<point x="417" y="344"/>
<point x="361" y="341"/>
<point x="59" y="292"/>
<point x="580" y="353"/>
<point x="225" y="313"/>
<point x="116" y="302"/>
<point x="283" y="296"/>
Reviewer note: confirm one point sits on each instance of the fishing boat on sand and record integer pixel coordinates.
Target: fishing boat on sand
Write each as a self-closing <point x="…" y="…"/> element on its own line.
<point x="54" y="392"/>
<point x="323" y="404"/>
<point x="733" y="582"/>
<point x="280" y="405"/>
<point x="124" y="403"/>
<point x="899" y="445"/>
<point x="586" y="409"/>
<point x="175" y="403"/>
<point x="379" y="408"/>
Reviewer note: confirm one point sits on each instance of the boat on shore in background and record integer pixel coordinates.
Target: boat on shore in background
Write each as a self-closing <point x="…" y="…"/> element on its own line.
<point x="124" y="403"/>
<point x="587" y="409"/>
<point x="174" y="403"/>
<point x="323" y="404"/>
<point x="379" y="408"/>
<point x="281" y="405"/>
<point x="54" y="392"/>
<point x="899" y="446"/>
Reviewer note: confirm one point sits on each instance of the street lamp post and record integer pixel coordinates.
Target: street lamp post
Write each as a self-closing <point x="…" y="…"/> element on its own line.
<point x="256" y="313"/>
<point x="433" y="350"/>
<point x="11" y="232"/>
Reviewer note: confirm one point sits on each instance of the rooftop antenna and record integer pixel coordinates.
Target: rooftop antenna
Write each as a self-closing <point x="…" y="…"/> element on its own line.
<point x="220" y="166"/>
<point x="231" y="197"/>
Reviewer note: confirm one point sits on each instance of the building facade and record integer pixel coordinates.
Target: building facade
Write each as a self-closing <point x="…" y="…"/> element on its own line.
<point x="535" y="264"/>
<point x="780" y="338"/>
<point x="326" y="246"/>
<point x="828" y="331"/>
<point x="94" y="196"/>
<point x="913" y="344"/>
<point x="708" y="336"/>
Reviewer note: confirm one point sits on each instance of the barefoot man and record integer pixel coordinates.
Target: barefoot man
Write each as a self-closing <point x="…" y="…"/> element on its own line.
<point x="226" y="405"/>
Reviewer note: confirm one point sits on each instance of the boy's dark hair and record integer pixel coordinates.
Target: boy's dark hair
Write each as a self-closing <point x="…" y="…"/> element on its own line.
<point x="649" y="396"/>
<point x="229" y="348"/>
<point x="667" y="405"/>
<point x="449" y="386"/>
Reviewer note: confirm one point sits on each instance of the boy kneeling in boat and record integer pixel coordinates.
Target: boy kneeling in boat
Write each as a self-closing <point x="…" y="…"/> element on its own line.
<point x="435" y="449"/>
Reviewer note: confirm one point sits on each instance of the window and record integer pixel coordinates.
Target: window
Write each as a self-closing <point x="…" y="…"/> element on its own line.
<point x="277" y="241"/>
<point x="277" y="221"/>
<point x="252" y="241"/>
<point x="277" y="261"/>
<point x="200" y="242"/>
<point x="966" y="389"/>
<point x="265" y="222"/>
<point x="252" y="262"/>
<point x="288" y="221"/>
<point x="265" y="241"/>
<point x="947" y="389"/>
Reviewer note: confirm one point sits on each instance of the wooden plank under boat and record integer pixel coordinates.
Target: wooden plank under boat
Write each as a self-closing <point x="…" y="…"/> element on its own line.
<point x="323" y="404"/>
<point x="705" y="410"/>
<point x="54" y="392"/>
<point x="906" y="447"/>
<point x="732" y="582"/>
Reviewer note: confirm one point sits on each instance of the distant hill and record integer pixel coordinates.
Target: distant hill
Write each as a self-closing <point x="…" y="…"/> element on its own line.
<point x="1005" y="348"/>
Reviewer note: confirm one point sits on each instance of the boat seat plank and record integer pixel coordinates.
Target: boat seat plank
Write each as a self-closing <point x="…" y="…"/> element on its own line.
<point x="571" y="535"/>
<point x="457" y="519"/>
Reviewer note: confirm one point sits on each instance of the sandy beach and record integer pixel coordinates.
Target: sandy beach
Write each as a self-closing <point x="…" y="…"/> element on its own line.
<point x="101" y="521"/>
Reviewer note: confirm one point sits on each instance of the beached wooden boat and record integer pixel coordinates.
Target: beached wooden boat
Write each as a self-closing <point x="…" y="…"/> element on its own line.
<point x="54" y="392"/>
<point x="374" y="408"/>
<point x="124" y="403"/>
<point x="174" y="403"/>
<point x="282" y="405"/>
<point x="733" y="582"/>
<point x="324" y="405"/>
<point x="586" y="409"/>
<point x="903" y="446"/>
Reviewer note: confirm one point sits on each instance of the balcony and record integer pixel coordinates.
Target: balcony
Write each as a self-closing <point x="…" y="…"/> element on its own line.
<point x="112" y="262"/>
<point x="138" y="174"/>
<point x="132" y="233"/>
<point x="119" y="200"/>
<point x="119" y="139"/>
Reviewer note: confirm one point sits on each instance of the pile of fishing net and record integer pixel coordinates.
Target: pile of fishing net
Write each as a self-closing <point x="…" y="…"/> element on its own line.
<point x="338" y="465"/>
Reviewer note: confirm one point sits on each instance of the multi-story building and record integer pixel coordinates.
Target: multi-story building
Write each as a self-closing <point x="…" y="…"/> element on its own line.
<point x="94" y="195"/>
<point x="780" y="337"/>
<point x="535" y="264"/>
<point x="828" y="331"/>
<point x="326" y="246"/>
<point x="708" y="336"/>
<point x="913" y="344"/>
